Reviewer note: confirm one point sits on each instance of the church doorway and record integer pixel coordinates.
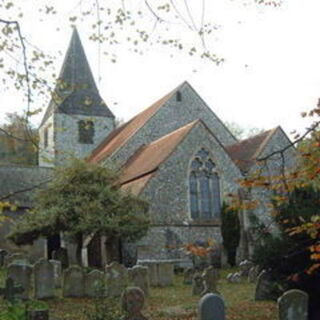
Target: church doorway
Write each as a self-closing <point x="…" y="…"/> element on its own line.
<point x="53" y="244"/>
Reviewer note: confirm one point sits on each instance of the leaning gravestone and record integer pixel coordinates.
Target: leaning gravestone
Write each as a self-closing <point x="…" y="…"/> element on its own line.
<point x="21" y="275"/>
<point x="210" y="277"/>
<point x="253" y="274"/>
<point x="43" y="279"/>
<point x="265" y="289"/>
<point x="293" y="305"/>
<point x="3" y="253"/>
<point x="116" y="279"/>
<point x="132" y="301"/>
<point x="61" y="255"/>
<point x="197" y="285"/>
<point x="165" y="274"/>
<point x="73" y="282"/>
<point x="211" y="307"/>
<point x="57" y="271"/>
<point x="94" y="284"/>
<point x="139" y="277"/>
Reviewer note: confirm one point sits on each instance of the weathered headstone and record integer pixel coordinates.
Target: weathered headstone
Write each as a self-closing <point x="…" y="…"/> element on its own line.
<point x="3" y="253"/>
<point x="21" y="275"/>
<point x="229" y="277"/>
<point x="10" y="290"/>
<point x="43" y="279"/>
<point x="165" y="274"/>
<point x="197" y="285"/>
<point x="253" y="274"/>
<point x="245" y="266"/>
<point x="188" y="275"/>
<point x="61" y="255"/>
<point x="153" y="273"/>
<point x="265" y="288"/>
<point x="16" y="258"/>
<point x="116" y="279"/>
<point x="139" y="278"/>
<point x="38" y="315"/>
<point x="57" y="271"/>
<point x="293" y="305"/>
<point x="211" y="307"/>
<point x="210" y="277"/>
<point x="236" y="277"/>
<point x="132" y="301"/>
<point x="94" y="284"/>
<point x="73" y="282"/>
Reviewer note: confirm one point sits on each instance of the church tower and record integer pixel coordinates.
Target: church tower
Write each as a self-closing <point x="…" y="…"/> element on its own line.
<point x="77" y="119"/>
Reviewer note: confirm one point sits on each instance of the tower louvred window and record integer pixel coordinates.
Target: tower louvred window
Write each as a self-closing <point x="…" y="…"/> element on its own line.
<point x="86" y="131"/>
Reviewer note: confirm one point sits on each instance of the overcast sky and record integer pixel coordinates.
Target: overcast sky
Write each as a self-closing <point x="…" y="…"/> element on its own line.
<point x="270" y="75"/>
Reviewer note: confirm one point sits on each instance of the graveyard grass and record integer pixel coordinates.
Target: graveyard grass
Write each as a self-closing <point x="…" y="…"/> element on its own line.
<point x="175" y="302"/>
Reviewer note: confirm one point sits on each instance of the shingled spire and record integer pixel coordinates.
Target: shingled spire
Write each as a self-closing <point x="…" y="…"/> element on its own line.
<point x="76" y="91"/>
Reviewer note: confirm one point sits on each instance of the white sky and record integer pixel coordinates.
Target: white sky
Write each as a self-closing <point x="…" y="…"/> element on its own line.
<point x="270" y="75"/>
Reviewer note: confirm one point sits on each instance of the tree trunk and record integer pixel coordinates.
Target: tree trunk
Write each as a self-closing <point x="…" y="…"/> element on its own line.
<point x="113" y="250"/>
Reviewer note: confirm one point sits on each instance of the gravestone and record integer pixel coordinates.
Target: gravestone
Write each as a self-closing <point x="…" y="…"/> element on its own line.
<point x="94" y="284"/>
<point x="245" y="266"/>
<point x="293" y="305"/>
<point x="73" y="282"/>
<point x="139" y="278"/>
<point x="3" y="254"/>
<point x="197" y="285"/>
<point x="165" y="274"/>
<point x="229" y="277"/>
<point x="210" y="277"/>
<point x="188" y="275"/>
<point x="16" y="258"/>
<point x="38" y="315"/>
<point x="211" y="307"/>
<point x="43" y="279"/>
<point x="21" y="275"/>
<point x="265" y="288"/>
<point x="116" y="279"/>
<point x="61" y="255"/>
<point x="153" y="273"/>
<point x="57" y="271"/>
<point x="236" y="277"/>
<point x="10" y="290"/>
<point x="132" y="302"/>
<point x="253" y="274"/>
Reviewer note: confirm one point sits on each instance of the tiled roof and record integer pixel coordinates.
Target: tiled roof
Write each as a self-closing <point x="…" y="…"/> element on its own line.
<point x="121" y="135"/>
<point x="149" y="157"/>
<point x="245" y="152"/>
<point x="136" y="186"/>
<point x="76" y="91"/>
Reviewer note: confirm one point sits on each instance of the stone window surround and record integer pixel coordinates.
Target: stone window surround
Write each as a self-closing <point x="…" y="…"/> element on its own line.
<point x="214" y="220"/>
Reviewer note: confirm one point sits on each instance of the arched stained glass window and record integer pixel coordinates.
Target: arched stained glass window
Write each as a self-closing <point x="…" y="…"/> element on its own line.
<point x="204" y="187"/>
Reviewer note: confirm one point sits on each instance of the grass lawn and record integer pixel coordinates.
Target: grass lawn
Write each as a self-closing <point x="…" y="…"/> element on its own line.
<point x="175" y="302"/>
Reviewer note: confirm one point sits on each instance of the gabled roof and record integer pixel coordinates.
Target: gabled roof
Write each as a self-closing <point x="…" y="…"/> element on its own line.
<point x="76" y="91"/>
<point x="149" y="157"/>
<point x="245" y="152"/>
<point x="121" y="135"/>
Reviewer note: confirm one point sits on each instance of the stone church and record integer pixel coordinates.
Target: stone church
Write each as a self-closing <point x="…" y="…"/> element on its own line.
<point x="177" y="154"/>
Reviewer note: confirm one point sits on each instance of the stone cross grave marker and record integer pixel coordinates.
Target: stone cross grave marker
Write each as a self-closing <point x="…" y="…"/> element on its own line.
<point x="116" y="279"/>
<point x="211" y="307"/>
<point x="132" y="301"/>
<point x="43" y="279"/>
<point x="293" y="305"/>
<point x="10" y="290"/>
<point x="139" y="277"/>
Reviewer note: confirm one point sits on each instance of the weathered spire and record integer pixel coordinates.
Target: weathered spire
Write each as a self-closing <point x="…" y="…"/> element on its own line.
<point x="76" y="91"/>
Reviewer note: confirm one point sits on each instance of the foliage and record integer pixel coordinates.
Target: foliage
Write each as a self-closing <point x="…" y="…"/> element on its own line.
<point x="230" y="229"/>
<point x="18" y="311"/>
<point x="83" y="199"/>
<point x="18" y="141"/>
